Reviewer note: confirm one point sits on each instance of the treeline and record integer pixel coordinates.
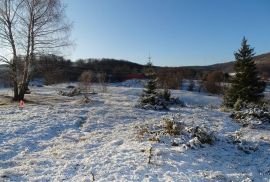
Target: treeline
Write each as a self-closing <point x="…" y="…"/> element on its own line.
<point x="53" y="69"/>
<point x="56" y="69"/>
<point x="116" y="70"/>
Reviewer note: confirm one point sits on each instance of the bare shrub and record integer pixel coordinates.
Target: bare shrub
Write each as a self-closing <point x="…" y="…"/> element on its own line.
<point x="172" y="128"/>
<point x="84" y="100"/>
<point x="142" y="130"/>
<point x="101" y="77"/>
<point x="213" y="82"/>
<point x="85" y="81"/>
<point x="71" y="93"/>
<point x="168" y="79"/>
<point x="150" y="155"/>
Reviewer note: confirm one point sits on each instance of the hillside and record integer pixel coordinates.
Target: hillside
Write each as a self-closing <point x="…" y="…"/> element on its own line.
<point x="117" y="66"/>
<point x="262" y="61"/>
<point x="57" y="138"/>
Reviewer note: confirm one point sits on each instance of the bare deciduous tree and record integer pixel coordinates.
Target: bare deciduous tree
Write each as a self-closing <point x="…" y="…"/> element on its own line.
<point x="30" y="27"/>
<point x="8" y="19"/>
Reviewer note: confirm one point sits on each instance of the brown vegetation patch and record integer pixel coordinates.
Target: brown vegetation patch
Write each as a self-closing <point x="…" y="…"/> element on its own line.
<point x="5" y="100"/>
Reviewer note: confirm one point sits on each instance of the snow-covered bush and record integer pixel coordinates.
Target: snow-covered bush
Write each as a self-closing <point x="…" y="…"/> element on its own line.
<point x="202" y="135"/>
<point x="73" y="92"/>
<point x="174" y="132"/>
<point x="84" y="100"/>
<point x="172" y="128"/>
<point x="247" y="147"/>
<point x="252" y="114"/>
<point x="243" y="145"/>
<point x="156" y="100"/>
<point x="152" y="98"/>
<point x="160" y="103"/>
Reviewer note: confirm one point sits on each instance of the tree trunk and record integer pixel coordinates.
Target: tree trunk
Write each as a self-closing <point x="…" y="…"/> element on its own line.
<point x="22" y="91"/>
<point x="14" y="79"/>
<point x="24" y="83"/>
<point x="25" y="78"/>
<point x="15" y="91"/>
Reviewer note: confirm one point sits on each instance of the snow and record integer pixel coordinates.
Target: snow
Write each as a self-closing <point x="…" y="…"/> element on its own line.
<point x="37" y="82"/>
<point x="57" y="138"/>
<point x="134" y="83"/>
<point x="186" y="83"/>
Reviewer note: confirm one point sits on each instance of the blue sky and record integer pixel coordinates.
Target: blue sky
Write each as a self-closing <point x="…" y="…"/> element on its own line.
<point x="174" y="32"/>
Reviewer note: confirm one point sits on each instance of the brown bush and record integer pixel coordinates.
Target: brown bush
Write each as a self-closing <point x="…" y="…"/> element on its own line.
<point x="168" y="79"/>
<point x="85" y="81"/>
<point x="213" y="82"/>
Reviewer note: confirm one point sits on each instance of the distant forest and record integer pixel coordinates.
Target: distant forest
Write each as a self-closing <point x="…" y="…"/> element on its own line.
<point x="56" y="69"/>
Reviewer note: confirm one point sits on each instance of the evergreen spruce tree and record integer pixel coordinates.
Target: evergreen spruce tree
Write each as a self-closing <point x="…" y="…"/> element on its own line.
<point x="150" y="93"/>
<point x="246" y="85"/>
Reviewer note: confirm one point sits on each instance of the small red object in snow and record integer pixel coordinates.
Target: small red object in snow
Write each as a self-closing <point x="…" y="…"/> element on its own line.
<point x="21" y="105"/>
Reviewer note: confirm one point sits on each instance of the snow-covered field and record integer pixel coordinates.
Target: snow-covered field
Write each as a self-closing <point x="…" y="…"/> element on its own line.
<point x="57" y="138"/>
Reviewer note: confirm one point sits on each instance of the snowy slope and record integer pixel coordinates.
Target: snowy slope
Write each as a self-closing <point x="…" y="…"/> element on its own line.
<point x="60" y="139"/>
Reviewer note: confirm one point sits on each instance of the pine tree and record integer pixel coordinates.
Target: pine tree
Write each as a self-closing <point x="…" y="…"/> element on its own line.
<point x="246" y="84"/>
<point x="150" y="91"/>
